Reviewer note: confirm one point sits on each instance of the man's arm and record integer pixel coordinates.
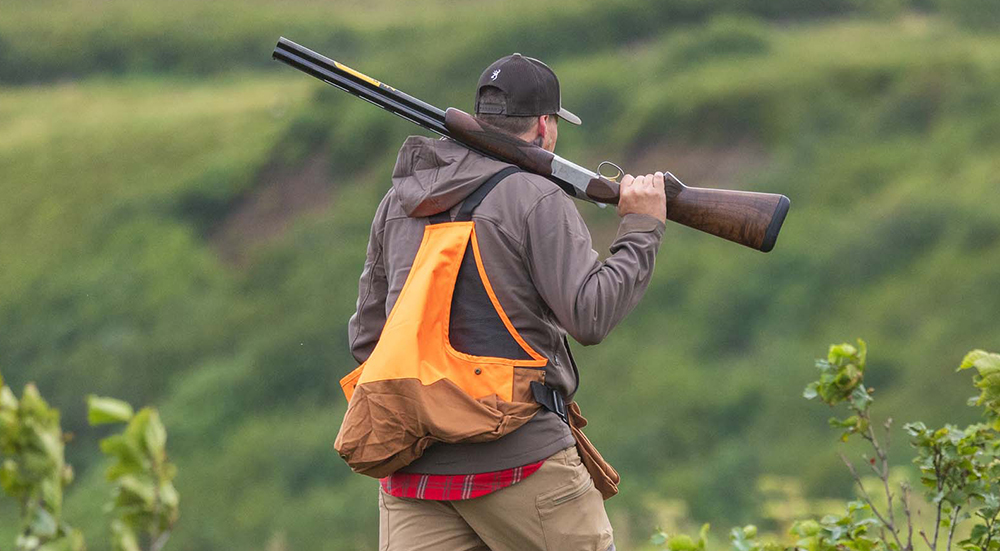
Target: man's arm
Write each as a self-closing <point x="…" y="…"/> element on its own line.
<point x="590" y="297"/>
<point x="366" y="324"/>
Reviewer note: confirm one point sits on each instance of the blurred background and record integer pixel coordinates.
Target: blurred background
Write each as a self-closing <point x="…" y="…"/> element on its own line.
<point x="183" y="223"/>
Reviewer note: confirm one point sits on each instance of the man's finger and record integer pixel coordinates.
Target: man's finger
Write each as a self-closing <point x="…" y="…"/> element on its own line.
<point x="658" y="181"/>
<point x="627" y="180"/>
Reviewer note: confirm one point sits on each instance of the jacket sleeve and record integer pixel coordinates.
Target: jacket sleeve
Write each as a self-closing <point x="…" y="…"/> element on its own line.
<point x="365" y="326"/>
<point x="587" y="296"/>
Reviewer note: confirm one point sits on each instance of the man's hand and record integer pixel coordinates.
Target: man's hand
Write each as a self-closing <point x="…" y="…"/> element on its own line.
<point x="643" y="195"/>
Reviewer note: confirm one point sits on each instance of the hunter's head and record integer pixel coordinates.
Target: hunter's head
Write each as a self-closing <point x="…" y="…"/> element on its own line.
<point x="520" y="96"/>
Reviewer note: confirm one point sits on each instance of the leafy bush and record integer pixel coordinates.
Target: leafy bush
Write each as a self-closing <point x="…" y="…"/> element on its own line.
<point x="35" y="473"/>
<point x="959" y="470"/>
<point x="34" y="470"/>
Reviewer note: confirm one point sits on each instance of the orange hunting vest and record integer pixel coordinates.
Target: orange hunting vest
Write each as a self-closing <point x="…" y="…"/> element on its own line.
<point x="416" y="389"/>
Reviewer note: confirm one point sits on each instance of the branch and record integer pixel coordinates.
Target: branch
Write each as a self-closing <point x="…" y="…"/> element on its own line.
<point x="160" y="541"/>
<point x="954" y="521"/>
<point x="883" y="467"/>
<point x="989" y="528"/>
<point x="868" y="500"/>
<point x="940" y="487"/>
<point x="924" y="535"/>
<point x="882" y="471"/>
<point x="905" y="488"/>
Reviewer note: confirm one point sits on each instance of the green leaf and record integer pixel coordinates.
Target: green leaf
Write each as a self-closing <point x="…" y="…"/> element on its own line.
<point x="739" y="540"/>
<point x="978" y="531"/>
<point x="971" y="358"/>
<point x="840" y="352"/>
<point x="27" y="542"/>
<point x="32" y="403"/>
<point x="659" y="538"/>
<point x="155" y="435"/>
<point x="168" y="495"/>
<point x="681" y="542"/>
<point x="43" y="525"/>
<point x="9" y="479"/>
<point x="127" y="452"/>
<point x="915" y="429"/>
<point x="988" y="364"/>
<point x="7" y="399"/>
<point x="805" y="528"/>
<point x="101" y="411"/>
<point x="811" y="390"/>
<point x="860" y="398"/>
<point x="123" y="538"/>
<point x="134" y="490"/>
<point x="703" y="535"/>
<point x="852" y="424"/>
<point x="67" y="542"/>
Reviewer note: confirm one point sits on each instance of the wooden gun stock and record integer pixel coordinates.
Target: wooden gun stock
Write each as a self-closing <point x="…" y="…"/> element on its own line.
<point x="749" y="218"/>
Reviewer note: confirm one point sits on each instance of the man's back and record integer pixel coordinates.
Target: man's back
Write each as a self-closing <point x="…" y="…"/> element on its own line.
<point x="537" y="253"/>
<point x="531" y="265"/>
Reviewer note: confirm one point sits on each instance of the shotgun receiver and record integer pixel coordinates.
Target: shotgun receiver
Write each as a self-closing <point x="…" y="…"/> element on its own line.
<point x="748" y="218"/>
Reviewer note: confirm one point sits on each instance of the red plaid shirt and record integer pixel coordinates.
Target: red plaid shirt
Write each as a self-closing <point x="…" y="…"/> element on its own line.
<point x="447" y="487"/>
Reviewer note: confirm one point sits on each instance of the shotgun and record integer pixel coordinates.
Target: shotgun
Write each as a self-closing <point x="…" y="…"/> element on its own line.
<point x="748" y="218"/>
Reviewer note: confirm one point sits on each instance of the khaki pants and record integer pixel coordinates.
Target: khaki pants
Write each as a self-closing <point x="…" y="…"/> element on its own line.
<point x="555" y="509"/>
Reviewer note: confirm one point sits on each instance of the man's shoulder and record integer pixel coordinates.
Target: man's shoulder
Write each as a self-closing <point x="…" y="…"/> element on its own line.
<point x="527" y="190"/>
<point x="535" y="184"/>
<point x="522" y="201"/>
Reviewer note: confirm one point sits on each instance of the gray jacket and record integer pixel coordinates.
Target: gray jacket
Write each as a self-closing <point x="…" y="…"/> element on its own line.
<point x="538" y="255"/>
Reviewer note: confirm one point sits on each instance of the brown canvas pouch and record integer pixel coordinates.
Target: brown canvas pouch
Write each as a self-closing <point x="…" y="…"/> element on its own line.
<point x="605" y="476"/>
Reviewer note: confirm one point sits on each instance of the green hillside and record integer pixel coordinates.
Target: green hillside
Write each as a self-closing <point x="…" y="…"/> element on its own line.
<point x="184" y="221"/>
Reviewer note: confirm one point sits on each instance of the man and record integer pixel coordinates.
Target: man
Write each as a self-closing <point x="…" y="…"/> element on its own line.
<point x="527" y="490"/>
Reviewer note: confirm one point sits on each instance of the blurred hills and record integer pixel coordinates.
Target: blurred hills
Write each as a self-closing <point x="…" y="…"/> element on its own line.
<point x="184" y="221"/>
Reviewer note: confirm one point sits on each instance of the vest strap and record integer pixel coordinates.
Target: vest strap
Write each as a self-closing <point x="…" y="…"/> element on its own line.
<point x="476" y="197"/>
<point x="439" y="218"/>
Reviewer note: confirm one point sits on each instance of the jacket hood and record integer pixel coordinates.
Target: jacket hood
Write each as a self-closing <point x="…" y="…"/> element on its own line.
<point x="432" y="176"/>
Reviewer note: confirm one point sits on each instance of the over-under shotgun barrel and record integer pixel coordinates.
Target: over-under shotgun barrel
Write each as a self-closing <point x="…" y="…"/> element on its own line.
<point x="748" y="218"/>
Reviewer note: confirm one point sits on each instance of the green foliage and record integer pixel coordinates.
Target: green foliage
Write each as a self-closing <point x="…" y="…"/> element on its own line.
<point x="101" y="411"/>
<point x="34" y="472"/>
<point x="959" y="470"/>
<point x="987" y="379"/>
<point x="682" y="542"/>
<point x="855" y="530"/>
<point x="840" y="377"/>
<point x="146" y="504"/>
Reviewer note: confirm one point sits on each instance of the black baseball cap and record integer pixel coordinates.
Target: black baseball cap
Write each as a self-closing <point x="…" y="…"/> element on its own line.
<point x="528" y="88"/>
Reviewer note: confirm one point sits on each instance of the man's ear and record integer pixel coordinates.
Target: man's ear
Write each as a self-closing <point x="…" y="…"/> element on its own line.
<point x="541" y="126"/>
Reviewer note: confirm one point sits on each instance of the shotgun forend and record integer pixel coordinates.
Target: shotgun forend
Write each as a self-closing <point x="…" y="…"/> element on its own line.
<point x="748" y="218"/>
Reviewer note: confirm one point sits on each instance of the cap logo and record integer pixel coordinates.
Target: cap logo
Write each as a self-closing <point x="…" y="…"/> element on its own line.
<point x="495" y="74"/>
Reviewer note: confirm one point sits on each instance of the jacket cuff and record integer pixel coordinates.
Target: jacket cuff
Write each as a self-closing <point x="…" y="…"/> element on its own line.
<point x="633" y="222"/>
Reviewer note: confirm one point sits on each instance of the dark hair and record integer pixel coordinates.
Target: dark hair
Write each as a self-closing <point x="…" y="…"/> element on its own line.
<point x="509" y="124"/>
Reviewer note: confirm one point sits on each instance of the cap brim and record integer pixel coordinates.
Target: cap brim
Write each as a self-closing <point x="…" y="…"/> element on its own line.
<point x="568" y="117"/>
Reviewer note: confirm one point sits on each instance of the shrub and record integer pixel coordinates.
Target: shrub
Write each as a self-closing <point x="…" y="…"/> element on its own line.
<point x="959" y="472"/>
<point x="35" y="473"/>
